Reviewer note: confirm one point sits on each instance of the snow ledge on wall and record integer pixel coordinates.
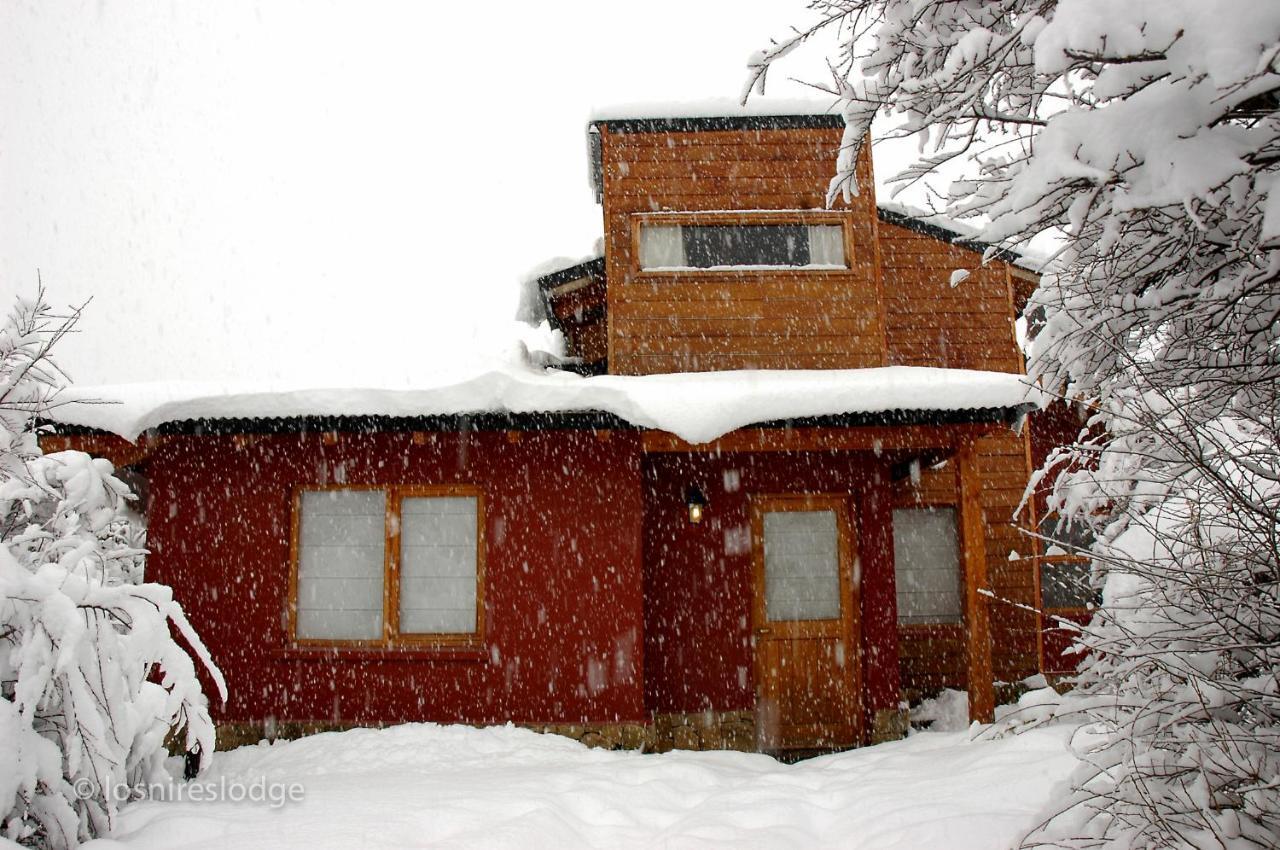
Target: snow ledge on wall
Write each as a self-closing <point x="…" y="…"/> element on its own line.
<point x="697" y="406"/>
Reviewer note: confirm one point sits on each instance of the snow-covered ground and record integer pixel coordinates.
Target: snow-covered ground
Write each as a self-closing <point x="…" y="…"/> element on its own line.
<point x="424" y="785"/>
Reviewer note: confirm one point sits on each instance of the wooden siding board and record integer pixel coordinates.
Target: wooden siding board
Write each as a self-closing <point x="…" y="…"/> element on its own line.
<point x="978" y="323"/>
<point x="681" y="187"/>
<point x="657" y="364"/>
<point x="738" y="168"/>
<point x="677" y="311"/>
<point x="764" y="323"/>
<point x="855" y="347"/>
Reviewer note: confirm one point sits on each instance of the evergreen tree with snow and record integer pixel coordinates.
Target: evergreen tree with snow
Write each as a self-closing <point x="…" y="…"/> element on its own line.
<point x="92" y="679"/>
<point x="1145" y="135"/>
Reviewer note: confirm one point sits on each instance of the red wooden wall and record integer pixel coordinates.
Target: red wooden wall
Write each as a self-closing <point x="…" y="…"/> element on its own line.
<point x="563" y="586"/>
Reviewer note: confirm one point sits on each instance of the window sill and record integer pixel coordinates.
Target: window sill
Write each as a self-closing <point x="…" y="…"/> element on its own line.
<point x="939" y="629"/>
<point x="640" y="277"/>
<point x="464" y="653"/>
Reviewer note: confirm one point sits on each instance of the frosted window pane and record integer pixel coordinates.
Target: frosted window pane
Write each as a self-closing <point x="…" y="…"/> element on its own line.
<point x="926" y="556"/>
<point x="438" y="546"/>
<point x="340" y="565"/>
<point x="661" y="246"/>
<point x="801" y="566"/>
<point x="826" y="245"/>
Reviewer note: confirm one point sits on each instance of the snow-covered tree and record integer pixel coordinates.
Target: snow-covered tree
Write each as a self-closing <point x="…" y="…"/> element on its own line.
<point x="1144" y="135"/>
<point x="92" y="679"/>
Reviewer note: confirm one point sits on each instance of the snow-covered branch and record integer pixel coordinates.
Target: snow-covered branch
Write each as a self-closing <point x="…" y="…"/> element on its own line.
<point x="92" y="679"/>
<point x="1145" y="136"/>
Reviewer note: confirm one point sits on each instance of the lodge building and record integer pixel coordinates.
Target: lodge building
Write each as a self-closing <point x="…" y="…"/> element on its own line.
<point x="788" y="584"/>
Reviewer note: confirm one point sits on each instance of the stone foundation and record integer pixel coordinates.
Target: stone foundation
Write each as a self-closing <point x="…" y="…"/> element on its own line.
<point x="605" y="736"/>
<point x="889" y="724"/>
<point x="707" y="730"/>
<point x="704" y="730"/>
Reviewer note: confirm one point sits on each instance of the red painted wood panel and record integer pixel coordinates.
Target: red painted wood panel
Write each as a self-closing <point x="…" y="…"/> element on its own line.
<point x="563" y="607"/>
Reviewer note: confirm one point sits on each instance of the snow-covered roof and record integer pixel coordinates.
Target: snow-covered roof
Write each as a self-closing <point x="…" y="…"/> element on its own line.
<point x="719" y="107"/>
<point x="697" y="407"/>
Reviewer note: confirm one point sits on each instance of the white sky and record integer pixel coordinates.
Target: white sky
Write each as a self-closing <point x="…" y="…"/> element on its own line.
<point x="323" y="192"/>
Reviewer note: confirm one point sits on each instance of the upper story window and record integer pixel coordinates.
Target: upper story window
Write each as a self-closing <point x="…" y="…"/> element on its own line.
<point x="667" y="246"/>
<point x="377" y="566"/>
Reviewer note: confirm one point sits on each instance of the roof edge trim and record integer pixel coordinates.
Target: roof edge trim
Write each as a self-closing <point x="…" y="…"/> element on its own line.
<point x="564" y="421"/>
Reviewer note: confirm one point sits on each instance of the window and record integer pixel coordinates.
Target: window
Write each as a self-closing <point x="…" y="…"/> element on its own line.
<point x="387" y="565"/>
<point x="665" y="246"/>
<point x="1065" y="581"/>
<point x="926" y="561"/>
<point x="1065" y="584"/>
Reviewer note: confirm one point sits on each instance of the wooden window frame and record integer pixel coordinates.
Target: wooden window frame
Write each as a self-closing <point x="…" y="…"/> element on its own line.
<point x="391" y="637"/>
<point x="1051" y="617"/>
<point x="846" y="552"/>
<point x="640" y="274"/>
<point x="1041" y="559"/>
<point x="1059" y="611"/>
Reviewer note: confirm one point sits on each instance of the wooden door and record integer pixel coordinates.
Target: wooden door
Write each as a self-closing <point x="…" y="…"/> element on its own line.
<point x="805" y="623"/>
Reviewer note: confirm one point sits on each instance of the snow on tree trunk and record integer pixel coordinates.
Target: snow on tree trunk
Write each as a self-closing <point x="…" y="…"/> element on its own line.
<point x="1144" y="135"/>
<point x="92" y="680"/>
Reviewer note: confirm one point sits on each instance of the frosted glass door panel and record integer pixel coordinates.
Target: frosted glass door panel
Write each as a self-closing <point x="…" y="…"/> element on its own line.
<point x="801" y="565"/>
<point x="340" y="565"/>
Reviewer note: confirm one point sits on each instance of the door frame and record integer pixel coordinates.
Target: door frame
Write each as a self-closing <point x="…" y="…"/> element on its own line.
<point x="850" y="623"/>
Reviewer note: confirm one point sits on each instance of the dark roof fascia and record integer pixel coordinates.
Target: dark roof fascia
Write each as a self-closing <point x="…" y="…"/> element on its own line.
<point x="568" y="421"/>
<point x="693" y="125"/>
<point x="729" y="122"/>
<point x="590" y="268"/>
<point x="944" y="234"/>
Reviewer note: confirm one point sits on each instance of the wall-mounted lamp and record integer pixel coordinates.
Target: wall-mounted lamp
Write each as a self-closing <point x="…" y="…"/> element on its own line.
<point x="697" y="504"/>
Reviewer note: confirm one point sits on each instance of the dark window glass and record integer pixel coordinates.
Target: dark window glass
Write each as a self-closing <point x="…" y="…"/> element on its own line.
<point x="1035" y="321"/>
<point x="1066" y="584"/>
<point x="706" y="246"/>
<point x="1072" y="538"/>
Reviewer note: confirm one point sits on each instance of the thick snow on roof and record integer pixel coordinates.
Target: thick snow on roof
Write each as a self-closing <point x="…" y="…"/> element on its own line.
<point x="697" y="407"/>
<point x="717" y="107"/>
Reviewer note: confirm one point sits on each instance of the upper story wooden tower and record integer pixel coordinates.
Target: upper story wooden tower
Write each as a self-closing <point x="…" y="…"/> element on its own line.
<point x="720" y="254"/>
